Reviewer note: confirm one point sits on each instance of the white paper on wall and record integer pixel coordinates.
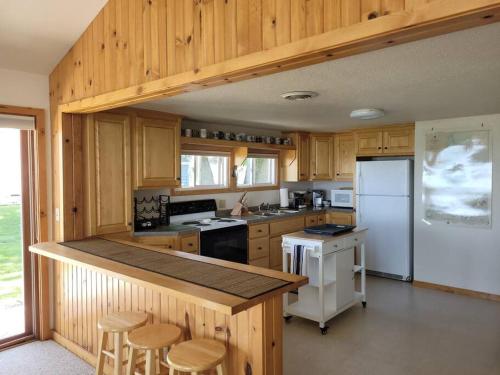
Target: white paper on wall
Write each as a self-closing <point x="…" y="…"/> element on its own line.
<point x="457" y="178"/>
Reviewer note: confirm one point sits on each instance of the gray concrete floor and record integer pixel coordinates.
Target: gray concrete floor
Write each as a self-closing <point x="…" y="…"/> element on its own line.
<point x="403" y="330"/>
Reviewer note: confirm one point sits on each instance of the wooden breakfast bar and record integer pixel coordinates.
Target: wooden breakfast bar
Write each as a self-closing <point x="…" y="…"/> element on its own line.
<point x="236" y="304"/>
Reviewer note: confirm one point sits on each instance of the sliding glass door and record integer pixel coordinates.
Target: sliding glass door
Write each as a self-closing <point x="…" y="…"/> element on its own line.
<point x="16" y="220"/>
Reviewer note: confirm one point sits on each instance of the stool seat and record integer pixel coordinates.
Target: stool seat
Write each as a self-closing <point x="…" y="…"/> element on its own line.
<point x="196" y="355"/>
<point x="123" y="321"/>
<point x="154" y="336"/>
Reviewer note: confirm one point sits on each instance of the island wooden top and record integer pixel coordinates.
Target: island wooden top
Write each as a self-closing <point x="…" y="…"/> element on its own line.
<point x="207" y="297"/>
<point x="325" y="238"/>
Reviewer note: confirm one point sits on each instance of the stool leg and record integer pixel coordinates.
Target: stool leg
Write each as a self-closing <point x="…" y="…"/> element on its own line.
<point x="220" y="369"/>
<point x="132" y="358"/>
<point x="100" y="356"/>
<point x="171" y="371"/>
<point x="150" y="362"/>
<point x="118" y="353"/>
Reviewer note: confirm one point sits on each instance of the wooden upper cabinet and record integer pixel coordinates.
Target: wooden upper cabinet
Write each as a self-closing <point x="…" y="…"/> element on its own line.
<point x="344" y="157"/>
<point x="390" y="140"/>
<point x="399" y="141"/>
<point x="303" y="148"/>
<point x="156" y="152"/>
<point x="107" y="187"/>
<point x="369" y="142"/>
<point x="295" y="163"/>
<point x="321" y="157"/>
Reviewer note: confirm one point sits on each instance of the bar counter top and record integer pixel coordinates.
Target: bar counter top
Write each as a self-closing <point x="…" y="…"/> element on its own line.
<point x="209" y="297"/>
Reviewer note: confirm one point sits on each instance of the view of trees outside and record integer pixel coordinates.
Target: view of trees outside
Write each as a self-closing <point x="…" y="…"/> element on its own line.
<point x="257" y="171"/>
<point x="203" y="170"/>
<point x="11" y="262"/>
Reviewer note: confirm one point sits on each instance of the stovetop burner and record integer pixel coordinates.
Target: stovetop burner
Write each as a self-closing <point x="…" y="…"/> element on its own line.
<point x="202" y="225"/>
<point x="226" y="220"/>
<point x="191" y="223"/>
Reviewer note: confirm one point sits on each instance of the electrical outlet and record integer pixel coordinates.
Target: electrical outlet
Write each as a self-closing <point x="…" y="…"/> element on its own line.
<point x="221" y="204"/>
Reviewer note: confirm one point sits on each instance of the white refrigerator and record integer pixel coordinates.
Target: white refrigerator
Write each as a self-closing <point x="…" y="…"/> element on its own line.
<point x="384" y="205"/>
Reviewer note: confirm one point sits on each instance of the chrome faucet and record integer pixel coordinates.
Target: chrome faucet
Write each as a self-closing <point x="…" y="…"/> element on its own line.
<point x="262" y="205"/>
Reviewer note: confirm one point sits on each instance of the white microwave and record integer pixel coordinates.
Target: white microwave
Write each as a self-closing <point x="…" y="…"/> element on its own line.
<point x="342" y="198"/>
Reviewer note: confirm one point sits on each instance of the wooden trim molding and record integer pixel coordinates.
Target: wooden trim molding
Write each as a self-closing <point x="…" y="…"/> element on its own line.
<point x="397" y="27"/>
<point x="40" y="265"/>
<point x="454" y="290"/>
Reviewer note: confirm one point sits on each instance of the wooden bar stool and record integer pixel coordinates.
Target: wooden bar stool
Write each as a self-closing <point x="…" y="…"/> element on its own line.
<point x="117" y="323"/>
<point x="197" y="355"/>
<point x="152" y="339"/>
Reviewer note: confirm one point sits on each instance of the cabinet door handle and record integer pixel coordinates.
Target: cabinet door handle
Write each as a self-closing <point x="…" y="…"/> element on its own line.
<point x="259" y="230"/>
<point x="190" y="244"/>
<point x="380" y="148"/>
<point x="259" y="248"/>
<point x="385" y="148"/>
<point x="178" y="178"/>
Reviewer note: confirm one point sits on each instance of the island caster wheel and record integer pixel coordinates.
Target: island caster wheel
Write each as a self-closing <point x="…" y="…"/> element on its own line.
<point x="324" y="330"/>
<point x="364" y="304"/>
<point x="287" y="318"/>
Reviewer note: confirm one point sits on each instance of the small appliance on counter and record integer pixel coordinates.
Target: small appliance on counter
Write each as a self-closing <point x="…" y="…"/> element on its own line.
<point x="299" y="199"/>
<point x="342" y="198"/>
<point x="149" y="213"/>
<point x="317" y="198"/>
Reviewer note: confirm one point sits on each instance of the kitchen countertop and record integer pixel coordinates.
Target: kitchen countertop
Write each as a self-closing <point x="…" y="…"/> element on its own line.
<point x="252" y="219"/>
<point x="168" y="230"/>
<point x="178" y="229"/>
<point x="210" y="297"/>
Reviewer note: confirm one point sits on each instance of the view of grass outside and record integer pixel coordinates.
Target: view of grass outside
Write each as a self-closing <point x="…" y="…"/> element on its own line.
<point x="10" y="254"/>
<point x="11" y="262"/>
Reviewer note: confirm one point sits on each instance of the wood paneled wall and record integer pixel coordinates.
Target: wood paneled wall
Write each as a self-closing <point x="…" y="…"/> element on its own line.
<point x="136" y="50"/>
<point x="135" y="41"/>
<point x="82" y="296"/>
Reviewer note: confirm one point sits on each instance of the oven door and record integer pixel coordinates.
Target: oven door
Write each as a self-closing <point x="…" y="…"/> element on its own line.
<point x="226" y="243"/>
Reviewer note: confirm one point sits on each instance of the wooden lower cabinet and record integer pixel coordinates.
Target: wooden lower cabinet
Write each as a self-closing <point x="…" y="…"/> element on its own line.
<point x="340" y="218"/>
<point x="262" y="262"/>
<point x="275" y="254"/>
<point x="265" y="240"/>
<point x="258" y="248"/>
<point x="189" y="243"/>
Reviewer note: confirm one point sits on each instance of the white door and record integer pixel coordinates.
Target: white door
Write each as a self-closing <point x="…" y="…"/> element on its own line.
<point x="387" y="177"/>
<point x="388" y="246"/>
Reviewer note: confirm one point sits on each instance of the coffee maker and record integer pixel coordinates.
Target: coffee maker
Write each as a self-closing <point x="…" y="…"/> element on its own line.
<point x="299" y="199"/>
<point x="317" y="198"/>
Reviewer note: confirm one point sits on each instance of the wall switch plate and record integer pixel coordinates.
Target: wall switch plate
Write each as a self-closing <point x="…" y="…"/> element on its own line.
<point x="221" y="204"/>
<point x="57" y="214"/>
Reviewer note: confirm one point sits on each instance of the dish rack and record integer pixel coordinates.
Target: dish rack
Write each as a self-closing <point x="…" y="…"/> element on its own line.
<point x="331" y="271"/>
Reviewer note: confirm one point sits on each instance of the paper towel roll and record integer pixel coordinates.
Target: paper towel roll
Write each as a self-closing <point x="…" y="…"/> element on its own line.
<point x="284" y="197"/>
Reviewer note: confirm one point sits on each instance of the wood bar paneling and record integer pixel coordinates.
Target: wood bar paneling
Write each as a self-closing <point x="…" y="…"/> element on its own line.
<point x="131" y="42"/>
<point x="82" y="296"/>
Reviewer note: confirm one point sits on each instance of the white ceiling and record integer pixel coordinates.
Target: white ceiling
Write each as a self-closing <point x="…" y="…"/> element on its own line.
<point x="447" y="76"/>
<point x="36" y="34"/>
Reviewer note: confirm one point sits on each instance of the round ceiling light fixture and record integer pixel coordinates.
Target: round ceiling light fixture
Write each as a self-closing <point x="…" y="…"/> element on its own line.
<point x="367" y="113"/>
<point x="299" y="95"/>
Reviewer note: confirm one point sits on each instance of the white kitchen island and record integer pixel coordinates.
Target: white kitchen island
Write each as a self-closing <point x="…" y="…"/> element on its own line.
<point x="329" y="264"/>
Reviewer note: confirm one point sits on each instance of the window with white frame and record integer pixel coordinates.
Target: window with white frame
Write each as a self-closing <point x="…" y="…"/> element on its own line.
<point x="258" y="170"/>
<point x="204" y="170"/>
